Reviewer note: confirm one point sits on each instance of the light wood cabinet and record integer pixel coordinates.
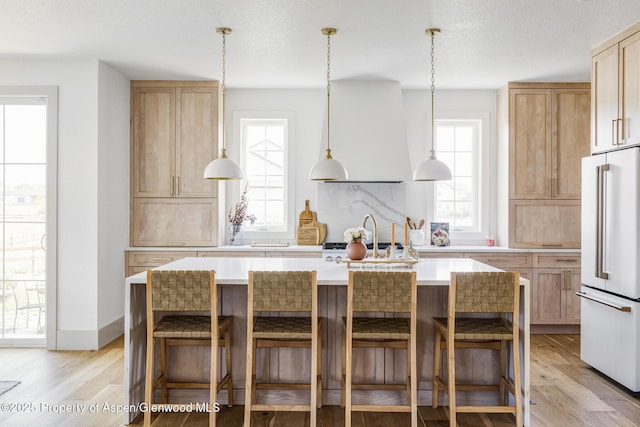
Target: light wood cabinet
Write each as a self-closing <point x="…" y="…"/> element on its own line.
<point x="616" y="92"/>
<point x="520" y="262"/>
<point x="545" y="132"/>
<point x="174" y="129"/>
<point x="545" y="224"/>
<point x="290" y="254"/>
<point x="173" y="222"/>
<point x="138" y="261"/>
<point x="555" y="281"/>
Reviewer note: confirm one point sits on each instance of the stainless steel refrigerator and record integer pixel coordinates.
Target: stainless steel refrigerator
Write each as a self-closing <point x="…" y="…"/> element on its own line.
<point x="610" y="291"/>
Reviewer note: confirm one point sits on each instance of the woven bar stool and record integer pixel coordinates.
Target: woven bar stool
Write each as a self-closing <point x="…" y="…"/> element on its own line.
<point x="380" y="292"/>
<point x="171" y="292"/>
<point x="497" y="293"/>
<point x="283" y="291"/>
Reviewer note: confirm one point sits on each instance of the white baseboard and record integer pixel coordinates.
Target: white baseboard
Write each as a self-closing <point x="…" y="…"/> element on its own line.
<point x="91" y="339"/>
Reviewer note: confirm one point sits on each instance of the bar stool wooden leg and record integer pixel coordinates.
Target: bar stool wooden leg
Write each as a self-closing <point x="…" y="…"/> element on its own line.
<point x="348" y="370"/>
<point x="163" y="370"/>
<point x="250" y="373"/>
<point x="437" y="353"/>
<point x="414" y="374"/>
<point x="344" y="371"/>
<point x="319" y="357"/>
<point x="213" y="377"/>
<point x="516" y="378"/>
<point x="504" y="371"/>
<point x="451" y="380"/>
<point x="228" y="343"/>
<point x="408" y="371"/>
<point x="149" y="378"/>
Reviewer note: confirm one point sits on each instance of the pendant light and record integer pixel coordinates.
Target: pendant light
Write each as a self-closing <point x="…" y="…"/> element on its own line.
<point x="223" y="168"/>
<point x="328" y="169"/>
<point x="432" y="169"/>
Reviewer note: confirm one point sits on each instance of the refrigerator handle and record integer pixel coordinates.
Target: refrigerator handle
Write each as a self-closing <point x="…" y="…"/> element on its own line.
<point x="584" y="295"/>
<point x="600" y="213"/>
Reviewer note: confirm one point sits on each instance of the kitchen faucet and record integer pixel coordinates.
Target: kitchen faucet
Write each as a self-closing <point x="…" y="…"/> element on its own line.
<point x="375" y="232"/>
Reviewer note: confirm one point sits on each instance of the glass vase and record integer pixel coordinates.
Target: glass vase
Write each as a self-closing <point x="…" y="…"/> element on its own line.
<point x="234" y="235"/>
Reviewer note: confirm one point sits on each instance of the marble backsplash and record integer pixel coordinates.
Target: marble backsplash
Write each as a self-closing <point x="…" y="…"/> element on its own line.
<point x="344" y="205"/>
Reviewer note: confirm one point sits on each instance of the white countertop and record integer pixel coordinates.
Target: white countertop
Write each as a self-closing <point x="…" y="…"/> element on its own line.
<point x="318" y="248"/>
<point x="234" y="271"/>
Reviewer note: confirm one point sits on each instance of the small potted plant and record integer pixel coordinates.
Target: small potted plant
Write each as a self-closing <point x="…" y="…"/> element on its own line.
<point x="356" y="249"/>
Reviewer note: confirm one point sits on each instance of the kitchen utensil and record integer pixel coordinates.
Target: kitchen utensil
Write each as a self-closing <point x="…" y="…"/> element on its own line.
<point x="306" y="216"/>
<point x="421" y="224"/>
<point x="307" y="235"/>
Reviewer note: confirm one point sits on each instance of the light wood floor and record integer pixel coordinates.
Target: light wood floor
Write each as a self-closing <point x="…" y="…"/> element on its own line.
<point x="565" y="393"/>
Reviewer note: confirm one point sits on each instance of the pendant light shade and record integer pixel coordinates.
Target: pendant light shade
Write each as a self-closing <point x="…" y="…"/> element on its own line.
<point x="328" y="169"/>
<point x="432" y="169"/>
<point x="223" y="168"/>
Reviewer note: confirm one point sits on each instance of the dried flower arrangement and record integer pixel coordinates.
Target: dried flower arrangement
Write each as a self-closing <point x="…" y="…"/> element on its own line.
<point x="238" y="215"/>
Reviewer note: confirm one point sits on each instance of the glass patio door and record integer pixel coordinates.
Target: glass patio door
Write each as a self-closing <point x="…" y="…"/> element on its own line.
<point x="23" y="185"/>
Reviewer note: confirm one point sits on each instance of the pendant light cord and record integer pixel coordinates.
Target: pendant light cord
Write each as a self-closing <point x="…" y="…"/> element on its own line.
<point x="224" y="92"/>
<point x="433" y="91"/>
<point x="328" y="94"/>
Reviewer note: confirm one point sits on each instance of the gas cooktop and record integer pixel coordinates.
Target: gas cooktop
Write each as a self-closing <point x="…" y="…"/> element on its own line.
<point x="342" y="245"/>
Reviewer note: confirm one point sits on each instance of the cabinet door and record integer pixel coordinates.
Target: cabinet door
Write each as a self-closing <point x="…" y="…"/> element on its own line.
<point x="629" y="106"/>
<point x="530" y="135"/>
<point x="570" y="142"/>
<point x="548" y="297"/>
<point x="572" y="281"/>
<point x="604" y="96"/>
<point x="544" y="224"/>
<point x="196" y="140"/>
<point x="174" y="222"/>
<point x="153" y="135"/>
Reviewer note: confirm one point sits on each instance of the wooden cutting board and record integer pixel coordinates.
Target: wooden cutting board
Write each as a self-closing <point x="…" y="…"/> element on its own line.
<point x="306" y="216"/>
<point x="310" y="231"/>
<point x="307" y="235"/>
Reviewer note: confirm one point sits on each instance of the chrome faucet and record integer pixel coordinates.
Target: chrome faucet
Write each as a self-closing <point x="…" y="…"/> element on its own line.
<point x="375" y="232"/>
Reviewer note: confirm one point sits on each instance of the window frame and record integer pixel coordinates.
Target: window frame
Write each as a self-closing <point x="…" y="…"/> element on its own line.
<point x="50" y="95"/>
<point x="281" y="233"/>
<point x="482" y="169"/>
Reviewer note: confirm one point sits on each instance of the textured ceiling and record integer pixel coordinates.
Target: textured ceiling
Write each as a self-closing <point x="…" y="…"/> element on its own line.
<point x="277" y="43"/>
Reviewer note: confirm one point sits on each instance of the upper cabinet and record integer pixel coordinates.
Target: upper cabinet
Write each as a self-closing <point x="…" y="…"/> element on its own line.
<point x="549" y="134"/>
<point x="174" y="135"/>
<point x="543" y="135"/>
<point x="616" y="92"/>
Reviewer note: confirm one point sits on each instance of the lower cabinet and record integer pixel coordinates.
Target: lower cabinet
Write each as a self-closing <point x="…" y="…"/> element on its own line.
<point x="520" y="262"/>
<point x="555" y="281"/>
<point x="138" y="261"/>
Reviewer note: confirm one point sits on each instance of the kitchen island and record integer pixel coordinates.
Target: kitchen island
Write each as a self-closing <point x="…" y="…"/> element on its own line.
<point x="433" y="277"/>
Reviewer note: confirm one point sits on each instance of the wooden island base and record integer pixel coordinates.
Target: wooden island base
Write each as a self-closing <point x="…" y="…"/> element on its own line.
<point x="293" y="365"/>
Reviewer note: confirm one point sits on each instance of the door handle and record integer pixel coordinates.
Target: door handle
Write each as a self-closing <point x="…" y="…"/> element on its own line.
<point x="584" y="295"/>
<point x="600" y="211"/>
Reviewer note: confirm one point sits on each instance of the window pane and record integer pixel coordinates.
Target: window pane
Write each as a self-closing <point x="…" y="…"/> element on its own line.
<point x="458" y="146"/>
<point x="264" y="148"/>
<point x="25" y="133"/>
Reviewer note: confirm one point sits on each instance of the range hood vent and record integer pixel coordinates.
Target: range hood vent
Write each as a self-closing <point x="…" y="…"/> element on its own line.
<point x="368" y="131"/>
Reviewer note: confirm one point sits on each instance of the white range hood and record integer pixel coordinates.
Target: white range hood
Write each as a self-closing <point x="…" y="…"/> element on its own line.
<point x="368" y="131"/>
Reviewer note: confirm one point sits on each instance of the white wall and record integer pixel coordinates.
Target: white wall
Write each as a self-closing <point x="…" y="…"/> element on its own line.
<point x="113" y="198"/>
<point x="78" y="178"/>
<point x="309" y="108"/>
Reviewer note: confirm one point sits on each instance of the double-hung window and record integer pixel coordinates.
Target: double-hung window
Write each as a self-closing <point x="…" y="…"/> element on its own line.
<point x="266" y="150"/>
<point x="462" y="144"/>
